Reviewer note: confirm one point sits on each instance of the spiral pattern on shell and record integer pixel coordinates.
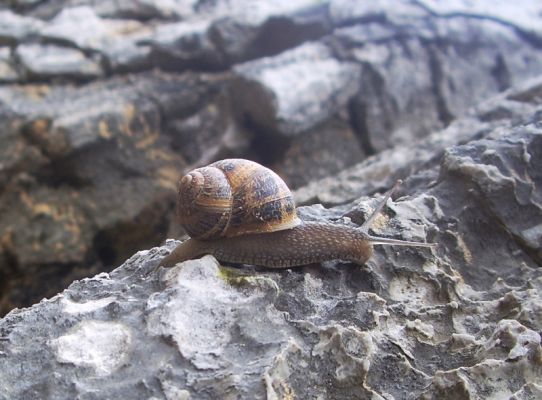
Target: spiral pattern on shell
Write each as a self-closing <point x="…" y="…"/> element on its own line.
<point x="234" y="197"/>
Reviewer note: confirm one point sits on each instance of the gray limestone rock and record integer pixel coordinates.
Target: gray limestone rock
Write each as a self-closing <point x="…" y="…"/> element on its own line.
<point x="524" y="16"/>
<point x="78" y="25"/>
<point x="506" y="169"/>
<point x="268" y="89"/>
<point x="143" y="9"/>
<point x="185" y="44"/>
<point x="80" y="166"/>
<point x="225" y="33"/>
<point x="209" y="134"/>
<point x="8" y="71"/>
<point x="14" y="27"/>
<point x="120" y="42"/>
<point x="518" y="105"/>
<point x="244" y="31"/>
<point x="422" y="68"/>
<point x="49" y="61"/>
<point x="323" y="151"/>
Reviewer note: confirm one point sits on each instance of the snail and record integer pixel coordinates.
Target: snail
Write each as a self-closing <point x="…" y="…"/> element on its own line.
<point x="242" y="212"/>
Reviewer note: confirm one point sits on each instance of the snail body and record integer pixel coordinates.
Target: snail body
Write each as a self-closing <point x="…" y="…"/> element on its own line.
<point x="241" y="212"/>
<point x="307" y="243"/>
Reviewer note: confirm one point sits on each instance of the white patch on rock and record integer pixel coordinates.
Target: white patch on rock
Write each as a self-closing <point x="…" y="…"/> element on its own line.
<point x="511" y="341"/>
<point x="199" y="315"/>
<point x="424" y="329"/>
<point x="277" y="376"/>
<point x="414" y="291"/>
<point x="172" y="392"/>
<point x="102" y="346"/>
<point x="462" y="340"/>
<point x="200" y="310"/>
<point x="53" y="60"/>
<point x="72" y="307"/>
<point x="351" y="349"/>
<point x="533" y="235"/>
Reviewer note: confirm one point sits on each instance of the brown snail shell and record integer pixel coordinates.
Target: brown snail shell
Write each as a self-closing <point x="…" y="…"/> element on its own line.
<point x="234" y="197"/>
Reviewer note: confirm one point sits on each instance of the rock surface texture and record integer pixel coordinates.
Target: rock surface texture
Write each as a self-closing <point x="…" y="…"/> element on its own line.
<point x="104" y="104"/>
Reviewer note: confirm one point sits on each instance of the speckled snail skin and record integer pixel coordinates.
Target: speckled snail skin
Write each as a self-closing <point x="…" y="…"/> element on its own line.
<point x="242" y="212"/>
